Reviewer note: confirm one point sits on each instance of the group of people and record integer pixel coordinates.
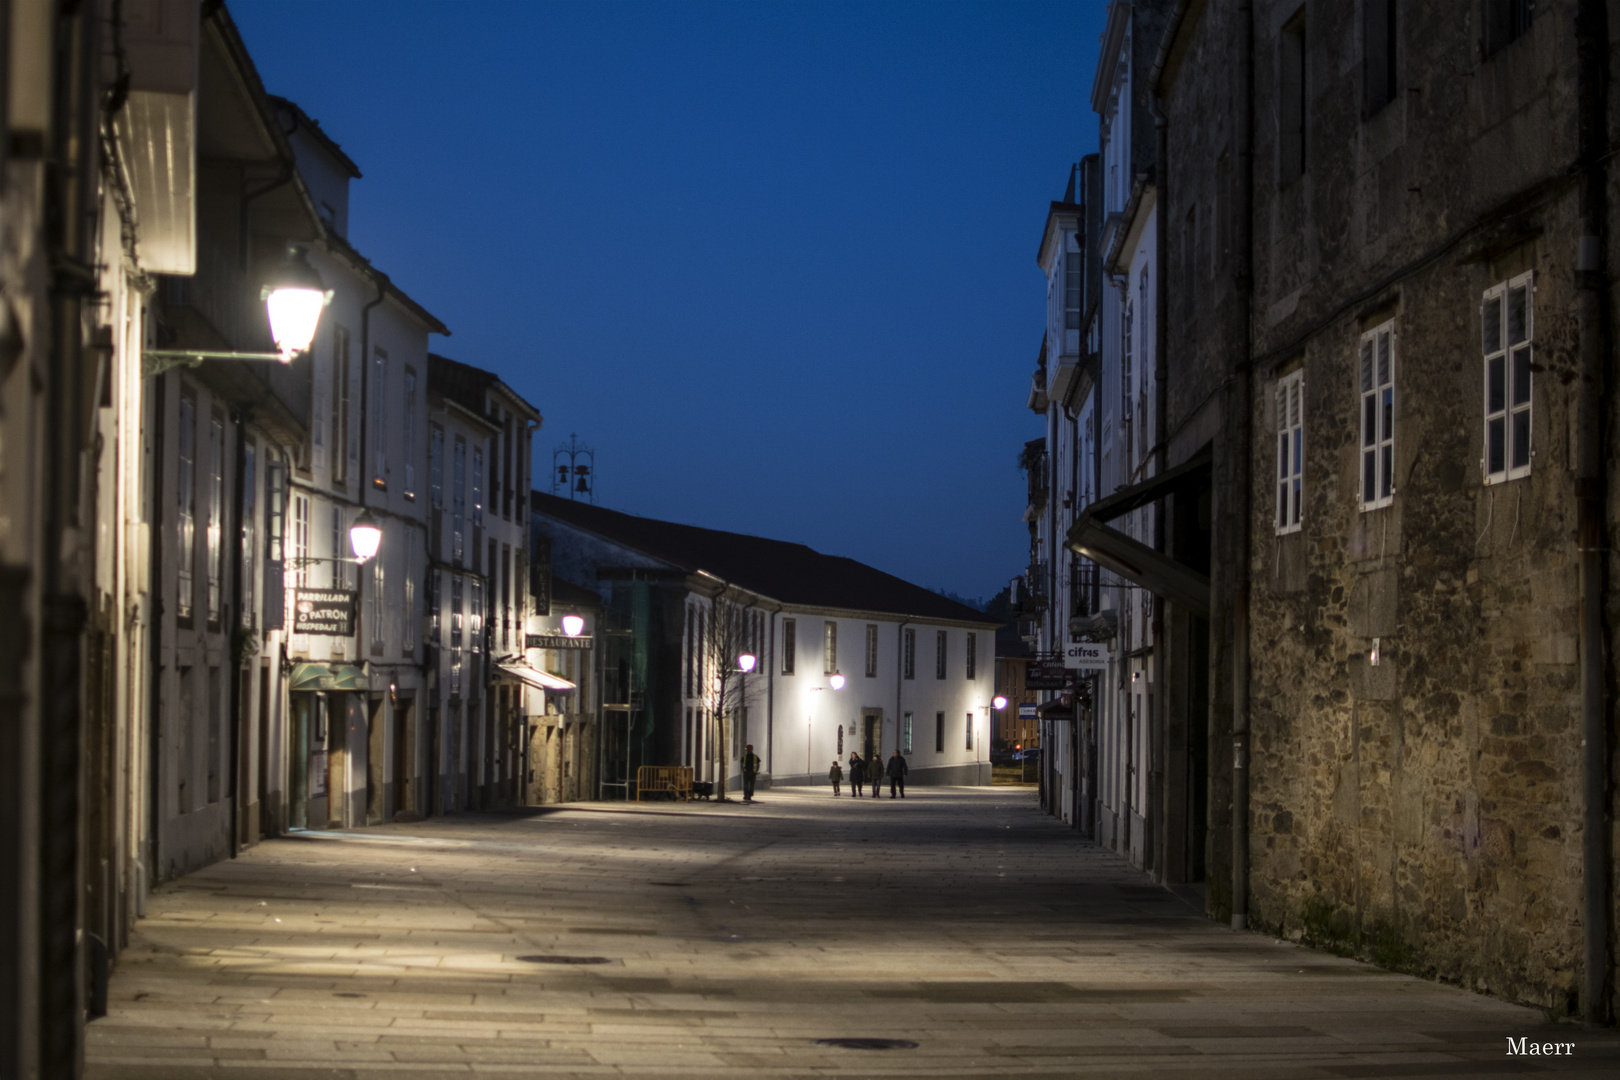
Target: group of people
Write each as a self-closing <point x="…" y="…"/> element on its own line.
<point x="862" y="771"/>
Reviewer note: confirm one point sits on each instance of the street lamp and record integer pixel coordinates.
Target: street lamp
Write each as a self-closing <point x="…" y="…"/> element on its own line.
<point x="365" y="536"/>
<point x="998" y="703"/>
<point x="836" y="681"/>
<point x="293" y="299"/>
<point x="746" y="662"/>
<point x="572" y="624"/>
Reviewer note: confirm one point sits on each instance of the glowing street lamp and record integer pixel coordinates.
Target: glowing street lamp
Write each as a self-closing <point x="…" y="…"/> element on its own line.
<point x="293" y="299"/>
<point x="365" y="536"/>
<point x="572" y="624"/>
<point x="836" y="681"/>
<point x="746" y="662"/>
<point x="998" y="703"/>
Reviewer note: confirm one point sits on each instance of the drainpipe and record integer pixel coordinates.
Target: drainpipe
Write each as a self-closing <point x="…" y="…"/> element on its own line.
<point x="1242" y="404"/>
<point x="1159" y="720"/>
<point x="899" y="690"/>
<point x="235" y="613"/>
<point x="367" y="473"/>
<point x="1592" y="34"/>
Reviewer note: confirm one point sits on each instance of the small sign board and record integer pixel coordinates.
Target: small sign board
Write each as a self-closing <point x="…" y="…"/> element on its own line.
<point x="556" y="641"/>
<point x="1050" y="674"/>
<point x="325" y="612"/>
<point x="1085" y="656"/>
<point x="1026" y="711"/>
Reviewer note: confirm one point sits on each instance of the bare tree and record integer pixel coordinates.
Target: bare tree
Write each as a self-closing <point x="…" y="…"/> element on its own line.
<point x="732" y="629"/>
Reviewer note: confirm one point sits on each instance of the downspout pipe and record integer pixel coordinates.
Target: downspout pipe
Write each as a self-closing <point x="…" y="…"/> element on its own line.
<point x="1592" y="40"/>
<point x="1239" y="473"/>
<point x="1161" y="377"/>
<point x="368" y="471"/>
<point x="243" y="592"/>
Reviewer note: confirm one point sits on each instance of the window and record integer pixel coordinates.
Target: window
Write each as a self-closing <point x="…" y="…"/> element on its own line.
<point x="908" y="650"/>
<point x="409" y="431"/>
<point x="458" y="498"/>
<point x="1291" y="97"/>
<point x="379" y="603"/>
<point x="829" y="649"/>
<point x="342" y="450"/>
<point x="1506" y="329"/>
<point x="436" y="466"/>
<point x="787" y="646"/>
<point x="408" y="635"/>
<point x="1377" y="54"/>
<point x="1127" y="319"/>
<point x="455" y="634"/>
<point x="434" y="615"/>
<point x="939" y="654"/>
<point x="905" y="735"/>
<point x="250" y="502"/>
<point x="300" y="539"/>
<point x="871" y="650"/>
<point x="1071" y="290"/>
<point x="1290" y="450"/>
<point x="689" y="649"/>
<point x="970" y="731"/>
<point x="478" y="486"/>
<point x="840" y="740"/>
<point x="216" y="506"/>
<point x="475" y="616"/>
<point x="1505" y="21"/>
<point x="186" y="497"/>
<point x="379" y="475"/>
<point x="340" y="571"/>
<point x="1378" y="416"/>
<point x="939" y="733"/>
<point x="506" y="595"/>
<point x="972" y="655"/>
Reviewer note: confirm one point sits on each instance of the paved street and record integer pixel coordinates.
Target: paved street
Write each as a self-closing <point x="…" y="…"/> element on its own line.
<point x="725" y="941"/>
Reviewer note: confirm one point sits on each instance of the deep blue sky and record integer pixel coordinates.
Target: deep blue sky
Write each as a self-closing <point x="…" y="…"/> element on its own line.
<point x="775" y="262"/>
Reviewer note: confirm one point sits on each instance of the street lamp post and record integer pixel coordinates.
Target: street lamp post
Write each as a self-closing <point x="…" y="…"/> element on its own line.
<point x="293" y="298"/>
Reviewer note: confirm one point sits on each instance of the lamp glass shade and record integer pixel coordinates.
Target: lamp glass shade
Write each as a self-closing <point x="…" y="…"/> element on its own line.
<point x="998" y="703"/>
<point x="745" y="662"/>
<point x="365" y="536"/>
<point x="572" y="625"/>
<point x="836" y="681"/>
<point x="294" y="314"/>
<point x="293" y="297"/>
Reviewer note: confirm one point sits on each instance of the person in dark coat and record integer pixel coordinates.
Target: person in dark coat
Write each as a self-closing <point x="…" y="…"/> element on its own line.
<point x="875" y="770"/>
<point x="836" y="775"/>
<point x="857" y="773"/>
<point x="750" y="771"/>
<point x="897" y="775"/>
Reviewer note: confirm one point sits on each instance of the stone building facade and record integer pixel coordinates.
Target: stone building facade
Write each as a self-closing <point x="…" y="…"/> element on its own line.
<point x="1387" y="434"/>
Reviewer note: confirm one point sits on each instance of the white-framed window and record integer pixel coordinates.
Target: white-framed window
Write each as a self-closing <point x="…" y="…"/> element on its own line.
<point x="379" y="475"/>
<point x="789" y="647"/>
<point x="905" y="736"/>
<point x="379" y="602"/>
<point x="940" y="649"/>
<point x="1072" y="281"/>
<point x="1290" y="451"/>
<point x="301" y="539"/>
<point x="908" y="650"/>
<point x="972" y="655"/>
<point x="871" y="650"/>
<point x="412" y="619"/>
<point x="1506" y="331"/>
<point x="1377" y="387"/>
<point x="829" y="652"/>
<point x="410" y="433"/>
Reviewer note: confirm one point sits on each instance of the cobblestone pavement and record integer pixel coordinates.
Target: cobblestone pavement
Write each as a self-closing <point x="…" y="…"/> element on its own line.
<point x="725" y="941"/>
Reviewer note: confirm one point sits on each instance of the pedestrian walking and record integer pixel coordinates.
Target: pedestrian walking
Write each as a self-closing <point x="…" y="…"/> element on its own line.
<point x="750" y="767"/>
<point x="897" y="775"/>
<point x="874" y="772"/>
<point x="857" y="774"/>
<point x="836" y="775"/>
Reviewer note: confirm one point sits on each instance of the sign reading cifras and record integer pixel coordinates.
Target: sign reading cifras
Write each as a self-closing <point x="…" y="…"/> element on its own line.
<point x="328" y="612"/>
<point x="1085" y="656"/>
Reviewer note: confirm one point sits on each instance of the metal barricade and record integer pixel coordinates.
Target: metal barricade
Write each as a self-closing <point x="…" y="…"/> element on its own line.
<point x="672" y="780"/>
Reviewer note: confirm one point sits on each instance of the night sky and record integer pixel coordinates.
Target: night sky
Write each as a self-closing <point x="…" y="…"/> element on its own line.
<point x="774" y="262"/>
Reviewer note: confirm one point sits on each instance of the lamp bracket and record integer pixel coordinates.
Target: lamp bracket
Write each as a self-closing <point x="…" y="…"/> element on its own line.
<point x="157" y="361"/>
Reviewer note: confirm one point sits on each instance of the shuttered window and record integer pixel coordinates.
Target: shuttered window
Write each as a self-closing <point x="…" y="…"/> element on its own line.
<point x="1506" y="330"/>
<point x="1290" y="451"/>
<point x="1377" y="385"/>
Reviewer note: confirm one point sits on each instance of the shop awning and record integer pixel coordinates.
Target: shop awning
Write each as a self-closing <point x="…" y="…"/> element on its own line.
<point x="313" y="676"/>
<point x="1059" y="709"/>
<point x="531" y="676"/>
<point x="1133" y="560"/>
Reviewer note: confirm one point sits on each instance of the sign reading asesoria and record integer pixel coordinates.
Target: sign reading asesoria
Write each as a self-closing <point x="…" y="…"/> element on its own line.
<point x="328" y="612"/>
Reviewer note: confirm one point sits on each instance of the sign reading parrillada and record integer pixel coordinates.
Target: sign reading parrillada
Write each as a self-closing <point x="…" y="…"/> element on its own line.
<point x="329" y="612"/>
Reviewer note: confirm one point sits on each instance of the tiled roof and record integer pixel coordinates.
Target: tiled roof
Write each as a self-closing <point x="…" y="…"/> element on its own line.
<point x="466" y="385"/>
<point x="790" y="573"/>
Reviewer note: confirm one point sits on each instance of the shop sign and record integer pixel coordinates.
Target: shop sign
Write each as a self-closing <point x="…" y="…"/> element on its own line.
<point x="556" y="641"/>
<point x="1026" y="711"/>
<point x="1085" y="656"/>
<point x="323" y="612"/>
<point x="1049" y="674"/>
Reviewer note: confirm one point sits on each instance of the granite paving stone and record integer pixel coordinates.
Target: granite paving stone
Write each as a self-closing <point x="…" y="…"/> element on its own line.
<point x="735" y="936"/>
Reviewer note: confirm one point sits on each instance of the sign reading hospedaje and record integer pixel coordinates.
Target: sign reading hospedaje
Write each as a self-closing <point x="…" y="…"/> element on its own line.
<point x="327" y="612"/>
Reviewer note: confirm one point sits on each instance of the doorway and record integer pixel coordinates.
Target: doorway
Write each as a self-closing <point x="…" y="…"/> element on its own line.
<point x="399" y="787"/>
<point x="872" y="735"/>
<point x="376" y="732"/>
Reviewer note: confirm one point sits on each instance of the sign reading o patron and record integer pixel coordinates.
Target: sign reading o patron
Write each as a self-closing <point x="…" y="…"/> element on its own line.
<point x="326" y="612"/>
